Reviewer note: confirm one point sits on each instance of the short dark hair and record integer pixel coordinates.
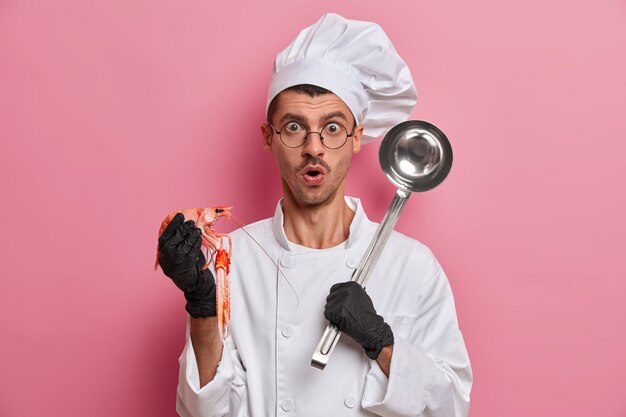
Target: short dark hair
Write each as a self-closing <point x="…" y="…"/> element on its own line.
<point x="308" y="89"/>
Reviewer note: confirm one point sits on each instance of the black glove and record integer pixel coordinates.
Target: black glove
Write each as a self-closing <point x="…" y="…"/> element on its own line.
<point x="350" y="309"/>
<point x="181" y="259"/>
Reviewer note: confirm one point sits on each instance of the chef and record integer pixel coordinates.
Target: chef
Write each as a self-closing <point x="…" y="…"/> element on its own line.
<point x="339" y="85"/>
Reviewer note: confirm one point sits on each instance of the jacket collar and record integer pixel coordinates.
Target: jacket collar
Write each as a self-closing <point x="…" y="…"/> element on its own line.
<point x="357" y="227"/>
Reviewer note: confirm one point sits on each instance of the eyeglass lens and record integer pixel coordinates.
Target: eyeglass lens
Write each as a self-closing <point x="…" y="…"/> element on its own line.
<point x="333" y="135"/>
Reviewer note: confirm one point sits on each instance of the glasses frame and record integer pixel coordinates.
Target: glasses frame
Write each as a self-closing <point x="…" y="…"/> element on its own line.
<point x="308" y="132"/>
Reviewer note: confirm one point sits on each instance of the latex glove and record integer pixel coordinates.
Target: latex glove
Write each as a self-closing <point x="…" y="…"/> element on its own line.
<point x="350" y="309"/>
<point x="181" y="259"/>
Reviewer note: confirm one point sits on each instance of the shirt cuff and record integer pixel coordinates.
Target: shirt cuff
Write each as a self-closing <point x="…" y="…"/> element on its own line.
<point x="406" y="390"/>
<point x="211" y="399"/>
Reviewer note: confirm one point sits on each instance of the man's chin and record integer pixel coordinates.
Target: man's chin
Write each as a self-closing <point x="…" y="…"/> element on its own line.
<point x="311" y="198"/>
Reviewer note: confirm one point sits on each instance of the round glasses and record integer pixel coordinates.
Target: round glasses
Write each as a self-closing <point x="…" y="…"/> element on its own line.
<point x="293" y="135"/>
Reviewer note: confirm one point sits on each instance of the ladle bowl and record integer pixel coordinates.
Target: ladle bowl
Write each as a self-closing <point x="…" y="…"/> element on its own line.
<point x="415" y="156"/>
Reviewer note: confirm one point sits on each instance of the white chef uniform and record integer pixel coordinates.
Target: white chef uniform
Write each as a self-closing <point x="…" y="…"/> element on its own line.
<point x="278" y="319"/>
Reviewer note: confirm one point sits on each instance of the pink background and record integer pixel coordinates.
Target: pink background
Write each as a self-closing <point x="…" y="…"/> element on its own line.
<point x="114" y="113"/>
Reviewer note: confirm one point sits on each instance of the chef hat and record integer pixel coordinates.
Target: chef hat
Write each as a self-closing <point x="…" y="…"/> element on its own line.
<point x="358" y="63"/>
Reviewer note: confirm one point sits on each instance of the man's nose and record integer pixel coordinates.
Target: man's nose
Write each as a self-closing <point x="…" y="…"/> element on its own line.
<point x="313" y="145"/>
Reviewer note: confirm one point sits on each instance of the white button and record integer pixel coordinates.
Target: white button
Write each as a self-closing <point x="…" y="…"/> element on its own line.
<point x="287" y="331"/>
<point x="351" y="263"/>
<point x="350" y="401"/>
<point x="286" y="262"/>
<point x="287" y="405"/>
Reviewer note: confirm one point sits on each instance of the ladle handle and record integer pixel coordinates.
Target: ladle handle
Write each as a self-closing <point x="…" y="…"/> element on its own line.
<point x="361" y="274"/>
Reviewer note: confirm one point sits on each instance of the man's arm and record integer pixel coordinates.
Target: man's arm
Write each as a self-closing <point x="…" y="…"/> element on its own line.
<point x="182" y="260"/>
<point x="211" y="379"/>
<point x="429" y="369"/>
<point x="207" y="346"/>
<point x="205" y="383"/>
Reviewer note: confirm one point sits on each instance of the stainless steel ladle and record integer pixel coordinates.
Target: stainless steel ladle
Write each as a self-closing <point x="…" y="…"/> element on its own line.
<point x="415" y="156"/>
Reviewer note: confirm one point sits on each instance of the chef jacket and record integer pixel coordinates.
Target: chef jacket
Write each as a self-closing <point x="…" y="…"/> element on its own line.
<point x="278" y="294"/>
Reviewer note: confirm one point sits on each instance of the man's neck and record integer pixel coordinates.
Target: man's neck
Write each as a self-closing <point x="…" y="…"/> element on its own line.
<point x="319" y="227"/>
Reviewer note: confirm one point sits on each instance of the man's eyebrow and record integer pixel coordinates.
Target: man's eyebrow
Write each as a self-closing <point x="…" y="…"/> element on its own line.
<point x="291" y="116"/>
<point x="334" y="115"/>
<point x="302" y="119"/>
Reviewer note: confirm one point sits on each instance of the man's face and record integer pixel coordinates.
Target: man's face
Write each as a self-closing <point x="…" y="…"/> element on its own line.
<point x="311" y="174"/>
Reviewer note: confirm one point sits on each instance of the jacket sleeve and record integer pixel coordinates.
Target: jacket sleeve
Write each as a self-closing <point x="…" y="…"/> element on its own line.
<point x="430" y="373"/>
<point x="224" y="395"/>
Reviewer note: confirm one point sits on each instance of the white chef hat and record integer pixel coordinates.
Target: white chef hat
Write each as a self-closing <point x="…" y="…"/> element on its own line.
<point x="358" y="63"/>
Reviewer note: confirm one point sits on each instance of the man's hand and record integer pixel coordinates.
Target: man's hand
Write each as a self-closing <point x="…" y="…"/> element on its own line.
<point x="350" y="309"/>
<point x="182" y="260"/>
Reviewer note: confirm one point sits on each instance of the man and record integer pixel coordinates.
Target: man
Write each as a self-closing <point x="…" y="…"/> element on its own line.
<point x="338" y="85"/>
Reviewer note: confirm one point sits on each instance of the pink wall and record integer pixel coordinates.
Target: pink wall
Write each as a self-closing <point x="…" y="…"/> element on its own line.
<point x="113" y="113"/>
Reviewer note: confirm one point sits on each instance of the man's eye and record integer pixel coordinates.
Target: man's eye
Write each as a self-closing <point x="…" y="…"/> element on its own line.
<point x="293" y="127"/>
<point x="332" y="128"/>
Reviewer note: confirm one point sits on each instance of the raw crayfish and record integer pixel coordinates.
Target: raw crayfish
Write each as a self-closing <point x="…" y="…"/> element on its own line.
<point x="213" y="243"/>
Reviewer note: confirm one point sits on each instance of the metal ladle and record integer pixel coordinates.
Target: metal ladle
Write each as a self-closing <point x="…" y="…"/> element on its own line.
<point x="415" y="156"/>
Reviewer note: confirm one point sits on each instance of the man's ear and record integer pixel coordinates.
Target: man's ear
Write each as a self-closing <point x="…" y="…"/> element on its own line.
<point x="356" y="140"/>
<point x="267" y="132"/>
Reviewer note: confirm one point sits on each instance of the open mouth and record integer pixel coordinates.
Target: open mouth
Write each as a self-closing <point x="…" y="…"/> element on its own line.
<point x="313" y="176"/>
